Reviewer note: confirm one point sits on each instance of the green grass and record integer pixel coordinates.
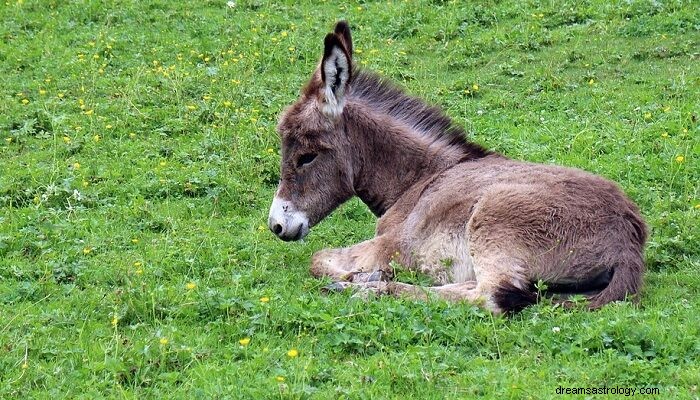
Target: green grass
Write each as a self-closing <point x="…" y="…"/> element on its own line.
<point x="138" y="159"/>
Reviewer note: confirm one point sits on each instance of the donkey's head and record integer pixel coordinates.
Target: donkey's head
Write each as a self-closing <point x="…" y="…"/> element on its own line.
<point x="316" y="171"/>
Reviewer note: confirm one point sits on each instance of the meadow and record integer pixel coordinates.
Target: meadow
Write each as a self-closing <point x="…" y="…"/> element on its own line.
<point x="138" y="160"/>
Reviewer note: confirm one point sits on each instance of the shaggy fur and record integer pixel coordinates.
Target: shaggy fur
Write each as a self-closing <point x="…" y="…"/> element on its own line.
<point x="485" y="227"/>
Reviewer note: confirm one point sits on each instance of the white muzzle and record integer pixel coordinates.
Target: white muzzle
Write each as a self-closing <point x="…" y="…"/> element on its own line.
<point x="286" y="222"/>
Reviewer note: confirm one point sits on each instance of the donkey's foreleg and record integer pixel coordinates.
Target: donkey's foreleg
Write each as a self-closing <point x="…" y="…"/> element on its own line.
<point x="365" y="262"/>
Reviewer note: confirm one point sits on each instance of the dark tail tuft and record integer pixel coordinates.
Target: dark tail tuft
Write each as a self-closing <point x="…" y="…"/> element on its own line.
<point x="512" y="299"/>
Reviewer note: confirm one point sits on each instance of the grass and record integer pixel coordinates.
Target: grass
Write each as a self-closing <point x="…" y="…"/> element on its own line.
<point x="138" y="159"/>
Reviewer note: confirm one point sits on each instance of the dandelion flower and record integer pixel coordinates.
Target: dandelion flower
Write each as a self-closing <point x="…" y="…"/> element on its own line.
<point x="190" y="285"/>
<point x="87" y="250"/>
<point x="264" y="299"/>
<point x="664" y="135"/>
<point x="89" y="112"/>
<point x="647" y="116"/>
<point x="115" y="321"/>
<point x="680" y="159"/>
<point x="292" y="353"/>
<point x="163" y="341"/>
<point x="245" y="341"/>
<point x="66" y="139"/>
<point x="280" y="379"/>
<point x="191" y="107"/>
<point x="76" y="165"/>
<point x="25" y="101"/>
<point x="42" y="92"/>
<point x="132" y="135"/>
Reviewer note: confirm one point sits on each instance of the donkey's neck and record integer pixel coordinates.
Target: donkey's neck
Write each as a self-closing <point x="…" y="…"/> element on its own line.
<point x="389" y="157"/>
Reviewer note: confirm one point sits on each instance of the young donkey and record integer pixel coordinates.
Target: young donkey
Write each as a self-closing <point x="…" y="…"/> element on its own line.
<point x="484" y="227"/>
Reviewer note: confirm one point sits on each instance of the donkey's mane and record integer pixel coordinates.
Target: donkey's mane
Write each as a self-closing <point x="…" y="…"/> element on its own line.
<point x="428" y="120"/>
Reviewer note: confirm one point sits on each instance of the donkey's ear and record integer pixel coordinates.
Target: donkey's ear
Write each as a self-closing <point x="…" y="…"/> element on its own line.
<point x="336" y="70"/>
<point x="342" y="29"/>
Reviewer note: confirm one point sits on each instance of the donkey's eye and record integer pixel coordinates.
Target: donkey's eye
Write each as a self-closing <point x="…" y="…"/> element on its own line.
<point x="305" y="159"/>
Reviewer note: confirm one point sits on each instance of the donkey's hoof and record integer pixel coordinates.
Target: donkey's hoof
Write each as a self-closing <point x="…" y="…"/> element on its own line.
<point x="336" y="287"/>
<point x="374" y="276"/>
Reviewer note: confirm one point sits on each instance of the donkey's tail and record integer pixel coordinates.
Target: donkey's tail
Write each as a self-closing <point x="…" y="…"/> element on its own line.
<point x="625" y="282"/>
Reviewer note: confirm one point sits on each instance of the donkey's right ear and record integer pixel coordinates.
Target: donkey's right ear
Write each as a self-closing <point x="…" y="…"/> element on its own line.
<point x="336" y="70"/>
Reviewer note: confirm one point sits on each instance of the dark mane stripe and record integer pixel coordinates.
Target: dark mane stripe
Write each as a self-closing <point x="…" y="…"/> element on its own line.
<point x="428" y="120"/>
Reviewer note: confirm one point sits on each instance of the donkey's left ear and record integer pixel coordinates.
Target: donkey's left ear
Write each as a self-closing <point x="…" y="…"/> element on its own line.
<point x="336" y="69"/>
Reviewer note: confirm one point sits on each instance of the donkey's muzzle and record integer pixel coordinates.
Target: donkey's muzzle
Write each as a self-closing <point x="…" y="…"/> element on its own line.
<point x="286" y="222"/>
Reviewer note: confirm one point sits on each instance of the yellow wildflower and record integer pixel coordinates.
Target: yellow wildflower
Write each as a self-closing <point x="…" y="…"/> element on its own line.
<point x="96" y="138"/>
<point x="115" y="321"/>
<point x="190" y="285"/>
<point x="42" y="92"/>
<point x="163" y="341"/>
<point x="89" y="112"/>
<point x="680" y="159"/>
<point x="292" y="353"/>
<point x="264" y="299"/>
<point x="25" y="101"/>
<point x="245" y="341"/>
<point x="76" y="165"/>
<point x="87" y="250"/>
<point x="280" y="379"/>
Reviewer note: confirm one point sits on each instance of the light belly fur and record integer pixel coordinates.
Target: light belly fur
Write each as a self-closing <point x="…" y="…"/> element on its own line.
<point x="445" y="257"/>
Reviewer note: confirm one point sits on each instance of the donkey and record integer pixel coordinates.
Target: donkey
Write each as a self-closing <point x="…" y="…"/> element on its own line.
<point x="487" y="229"/>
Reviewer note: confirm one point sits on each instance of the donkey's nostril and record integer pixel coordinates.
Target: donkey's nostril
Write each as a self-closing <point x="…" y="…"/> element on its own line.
<point x="277" y="229"/>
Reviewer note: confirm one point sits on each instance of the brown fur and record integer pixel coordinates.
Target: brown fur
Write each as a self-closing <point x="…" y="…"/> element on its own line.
<point x="485" y="227"/>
